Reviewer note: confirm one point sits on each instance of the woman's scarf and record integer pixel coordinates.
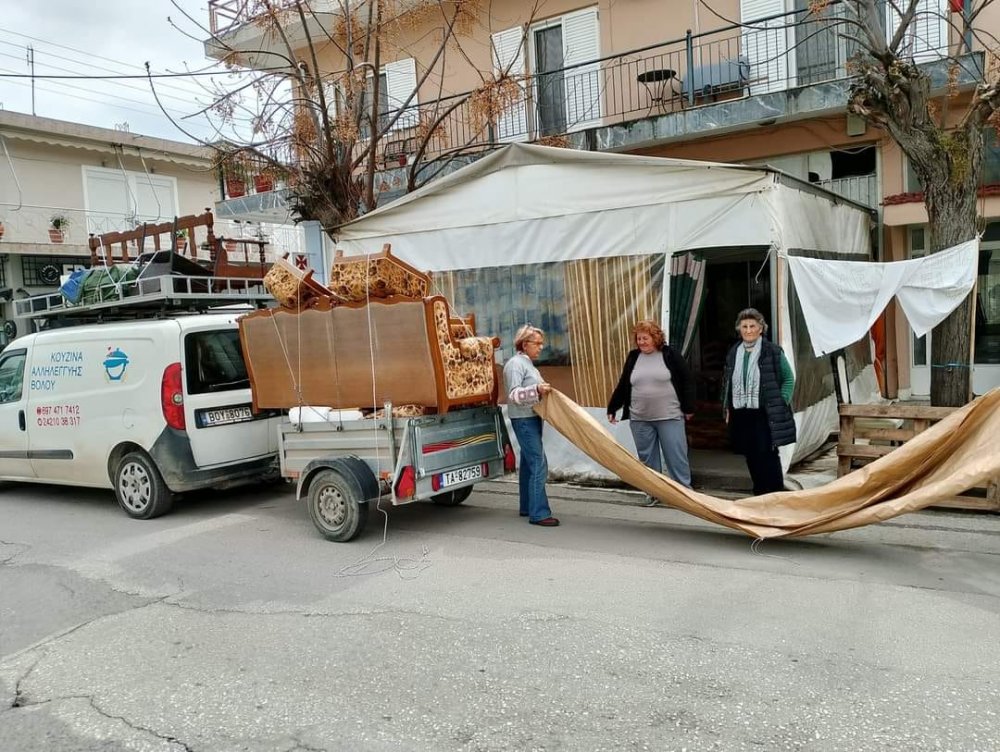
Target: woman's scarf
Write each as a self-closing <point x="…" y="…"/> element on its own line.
<point x="746" y="377"/>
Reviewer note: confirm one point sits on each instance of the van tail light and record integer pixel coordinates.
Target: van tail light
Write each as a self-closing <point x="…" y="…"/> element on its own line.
<point x="509" y="463"/>
<point x="172" y="397"/>
<point x="406" y="485"/>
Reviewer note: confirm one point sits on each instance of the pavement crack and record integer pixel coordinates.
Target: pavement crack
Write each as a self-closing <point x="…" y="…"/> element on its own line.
<point x="19" y="548"/>
<point x="19" y="700"/>
<point x="138" y="727"/>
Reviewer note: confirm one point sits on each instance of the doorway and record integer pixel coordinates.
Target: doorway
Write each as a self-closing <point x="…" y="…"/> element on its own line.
<point x="734" y="280"/>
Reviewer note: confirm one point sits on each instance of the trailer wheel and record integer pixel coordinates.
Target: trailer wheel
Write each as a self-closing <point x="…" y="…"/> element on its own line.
<point x="336" y="506"/>
<point x="140" y="489"/>
<point x="452" y="498"/>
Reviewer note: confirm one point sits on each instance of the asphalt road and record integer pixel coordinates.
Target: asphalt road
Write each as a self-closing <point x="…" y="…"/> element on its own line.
<point x="231" y="625"/>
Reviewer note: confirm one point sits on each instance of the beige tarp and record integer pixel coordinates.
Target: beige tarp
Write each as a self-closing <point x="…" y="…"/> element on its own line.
<point x="959" y="452"/>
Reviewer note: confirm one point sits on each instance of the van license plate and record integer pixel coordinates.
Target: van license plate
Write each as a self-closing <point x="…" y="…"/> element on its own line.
<point x="226" y="415"/>
<point x="454" y="477"/>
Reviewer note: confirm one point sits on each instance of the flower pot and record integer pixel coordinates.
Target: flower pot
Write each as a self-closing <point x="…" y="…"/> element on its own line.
<point x="181" y="244"/>
<point x="1" y="230"/>
<point x="235" y="188"/>
<point x="231" y="246"/>
<point x="263" y="183"/>
<point x="55" y="236"/>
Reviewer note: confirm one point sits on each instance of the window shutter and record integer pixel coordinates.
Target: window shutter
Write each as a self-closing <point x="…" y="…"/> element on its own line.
<point x="927" y="37"/>
<point x="401" y="81"/>
<point x="582" y="43"/>
<point x="508" y="55"/>
<point x="154" y="197"/>
<point x="764" y="46"/>
<point x="108" y="201"/>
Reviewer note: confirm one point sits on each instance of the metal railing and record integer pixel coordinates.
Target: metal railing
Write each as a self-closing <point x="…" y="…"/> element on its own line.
<point x="861" y="188"/>
<point x="732" y="62"/>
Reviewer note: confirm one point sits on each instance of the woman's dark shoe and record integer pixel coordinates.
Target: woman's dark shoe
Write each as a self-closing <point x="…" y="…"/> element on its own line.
<point x="547" y="522"/>
<point x="523" y="514"/>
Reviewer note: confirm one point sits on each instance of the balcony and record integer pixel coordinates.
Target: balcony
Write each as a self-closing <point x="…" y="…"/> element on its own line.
<point x="728" y="79"/>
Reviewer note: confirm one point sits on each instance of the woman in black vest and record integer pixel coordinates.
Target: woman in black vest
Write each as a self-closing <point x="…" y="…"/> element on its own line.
<point x="756" y="398"/>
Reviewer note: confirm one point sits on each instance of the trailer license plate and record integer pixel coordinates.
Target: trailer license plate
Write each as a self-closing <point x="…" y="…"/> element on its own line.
<point x="454" y="477"/>
<point x="226" y="415"/>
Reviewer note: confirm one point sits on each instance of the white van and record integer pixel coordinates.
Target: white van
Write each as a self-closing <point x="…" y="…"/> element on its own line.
<point x="149" y="408"/>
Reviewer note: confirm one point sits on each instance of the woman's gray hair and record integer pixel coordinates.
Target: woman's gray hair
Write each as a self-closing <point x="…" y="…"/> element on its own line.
<point x="751" y="313"/>
<point x="523" y="333"/>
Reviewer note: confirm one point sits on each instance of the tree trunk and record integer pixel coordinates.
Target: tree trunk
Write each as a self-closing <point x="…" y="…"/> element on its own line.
<point x="951" y="181"/>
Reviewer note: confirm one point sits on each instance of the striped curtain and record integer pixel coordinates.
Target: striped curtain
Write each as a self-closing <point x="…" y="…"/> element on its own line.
<point x="687" y="299"/>
<point x="606" y="296"/>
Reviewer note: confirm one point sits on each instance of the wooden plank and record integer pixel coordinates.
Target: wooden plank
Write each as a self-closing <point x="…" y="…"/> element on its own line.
<point x="861" y="451"/>
<point x="847" y="439"/>
<point x="886" y="434"/>
<point x="897" y="411"/>
<point x="968" y="502"/>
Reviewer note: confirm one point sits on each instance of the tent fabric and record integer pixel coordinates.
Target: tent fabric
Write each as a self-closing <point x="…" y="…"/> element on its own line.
<point x="952" y="456"/>
<point x="532" y="204"/>
<point x="841" y="300"/>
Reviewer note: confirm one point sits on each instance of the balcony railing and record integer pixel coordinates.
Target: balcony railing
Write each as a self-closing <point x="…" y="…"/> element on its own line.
<point x="861" y="188"/>
<point x="729" y="63"/>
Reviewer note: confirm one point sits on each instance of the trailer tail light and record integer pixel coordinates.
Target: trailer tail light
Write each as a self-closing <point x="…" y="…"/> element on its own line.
<point x="406" y="486"/>
<point x="172" y="397"/>
<point x="509" y="463"/>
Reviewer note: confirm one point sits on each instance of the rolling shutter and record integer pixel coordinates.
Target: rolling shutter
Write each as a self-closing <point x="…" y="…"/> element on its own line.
<point x="581" y="43"/>
<point x="401" y="82"/>
<point x="764" y="45"/>
<point x="927" y="37"/>
<point x="508" y="55"/>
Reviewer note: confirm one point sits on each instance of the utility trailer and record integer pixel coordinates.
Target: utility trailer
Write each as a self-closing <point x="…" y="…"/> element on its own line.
<point x="341" y="466"/>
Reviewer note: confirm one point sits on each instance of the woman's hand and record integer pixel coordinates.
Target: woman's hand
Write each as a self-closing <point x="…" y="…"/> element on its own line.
<point x="688" y="416"/>
<point x="612" y="419"/>
<point x="544" y="388"/>
<point x="725" y="414"/>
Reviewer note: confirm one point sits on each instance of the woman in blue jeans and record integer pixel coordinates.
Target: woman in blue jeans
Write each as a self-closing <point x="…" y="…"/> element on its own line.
<point x="656" y="395"/>
<point x="525" y="387"/>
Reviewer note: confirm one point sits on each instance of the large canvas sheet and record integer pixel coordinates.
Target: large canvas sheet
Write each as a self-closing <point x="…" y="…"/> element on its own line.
<point x="956" y="454"/>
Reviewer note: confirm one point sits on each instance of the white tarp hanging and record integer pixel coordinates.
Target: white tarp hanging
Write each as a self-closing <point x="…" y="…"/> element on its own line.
<point x="841" y="300"/>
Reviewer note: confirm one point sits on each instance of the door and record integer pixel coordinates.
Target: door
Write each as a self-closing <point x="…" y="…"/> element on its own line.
<point x="920" y="350"/>
<point x="14" y="461"/>
<point x="550" y="91"/>
<point x="217" y="402"/>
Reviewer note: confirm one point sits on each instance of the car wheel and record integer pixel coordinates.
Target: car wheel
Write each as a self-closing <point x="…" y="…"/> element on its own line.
<point x="140" y="489"/>
<point x="452" y="498"/>
<point x="336" y="506"/>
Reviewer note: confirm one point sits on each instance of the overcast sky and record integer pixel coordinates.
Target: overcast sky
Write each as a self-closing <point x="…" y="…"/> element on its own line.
<point x="106" y="37"/>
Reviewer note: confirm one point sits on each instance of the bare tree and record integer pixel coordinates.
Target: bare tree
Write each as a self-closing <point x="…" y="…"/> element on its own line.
<point x="314" y="109"/>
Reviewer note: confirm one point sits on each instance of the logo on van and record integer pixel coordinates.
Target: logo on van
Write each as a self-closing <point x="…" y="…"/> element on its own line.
<point x="115" y="364"/>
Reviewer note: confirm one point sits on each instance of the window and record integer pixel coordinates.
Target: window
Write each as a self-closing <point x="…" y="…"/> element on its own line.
<point x="397" y="81"/>
<point x="214" y="362"/>
<point x="46" y="271"/>
<point x="987" y="310"/>
<point x="12" y="376"/>
<point x="118" y="200"/>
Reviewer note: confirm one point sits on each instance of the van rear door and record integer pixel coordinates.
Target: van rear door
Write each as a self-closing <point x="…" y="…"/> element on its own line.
<point x="217" y="402"/>
<point x="14" y="461"/>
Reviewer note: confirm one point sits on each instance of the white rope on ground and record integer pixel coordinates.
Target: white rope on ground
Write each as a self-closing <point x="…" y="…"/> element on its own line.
<point x="401" y="565"/>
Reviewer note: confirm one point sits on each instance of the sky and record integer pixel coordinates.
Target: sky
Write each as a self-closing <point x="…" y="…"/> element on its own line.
<point x="103" y="38"/>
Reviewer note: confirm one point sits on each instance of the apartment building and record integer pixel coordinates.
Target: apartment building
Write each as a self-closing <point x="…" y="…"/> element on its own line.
<point x="690" y="80"/>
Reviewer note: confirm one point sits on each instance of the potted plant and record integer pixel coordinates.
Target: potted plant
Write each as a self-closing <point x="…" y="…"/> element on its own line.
<point x="1" y="229"/>
<point x="263" y="181"/>
<point x="180" y="240"/>
<point x="57" y="232"/>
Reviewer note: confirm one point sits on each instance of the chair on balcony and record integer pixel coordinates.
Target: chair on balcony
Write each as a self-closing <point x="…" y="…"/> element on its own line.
<point x="708" y="82"/>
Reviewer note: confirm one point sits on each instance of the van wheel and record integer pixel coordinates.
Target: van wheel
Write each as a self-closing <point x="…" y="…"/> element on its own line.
<point x="336" y="506"/>
<point x="452" y="498"/>
<point x="140" y="489"/>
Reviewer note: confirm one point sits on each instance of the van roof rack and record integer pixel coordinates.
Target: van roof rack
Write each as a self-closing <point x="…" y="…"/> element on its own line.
<point x="150" y="297"/>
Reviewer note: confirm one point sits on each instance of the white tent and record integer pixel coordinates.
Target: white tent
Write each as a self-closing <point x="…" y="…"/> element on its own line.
<point x="525" y="204"/>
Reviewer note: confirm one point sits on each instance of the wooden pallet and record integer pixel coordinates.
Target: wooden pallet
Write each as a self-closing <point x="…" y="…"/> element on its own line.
<point x="885" y="427"/>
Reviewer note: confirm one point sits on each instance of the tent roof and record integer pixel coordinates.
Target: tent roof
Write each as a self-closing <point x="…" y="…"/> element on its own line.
<point x="543" y="203"/>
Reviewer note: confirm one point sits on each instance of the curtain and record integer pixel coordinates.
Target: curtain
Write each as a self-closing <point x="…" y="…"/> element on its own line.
<point x="606" y="297"/>
<point x="687" y="299"/>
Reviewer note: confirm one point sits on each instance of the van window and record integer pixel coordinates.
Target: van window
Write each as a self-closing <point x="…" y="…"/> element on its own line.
<point x="12" y="375"/>
<point x="214" y="362"/>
